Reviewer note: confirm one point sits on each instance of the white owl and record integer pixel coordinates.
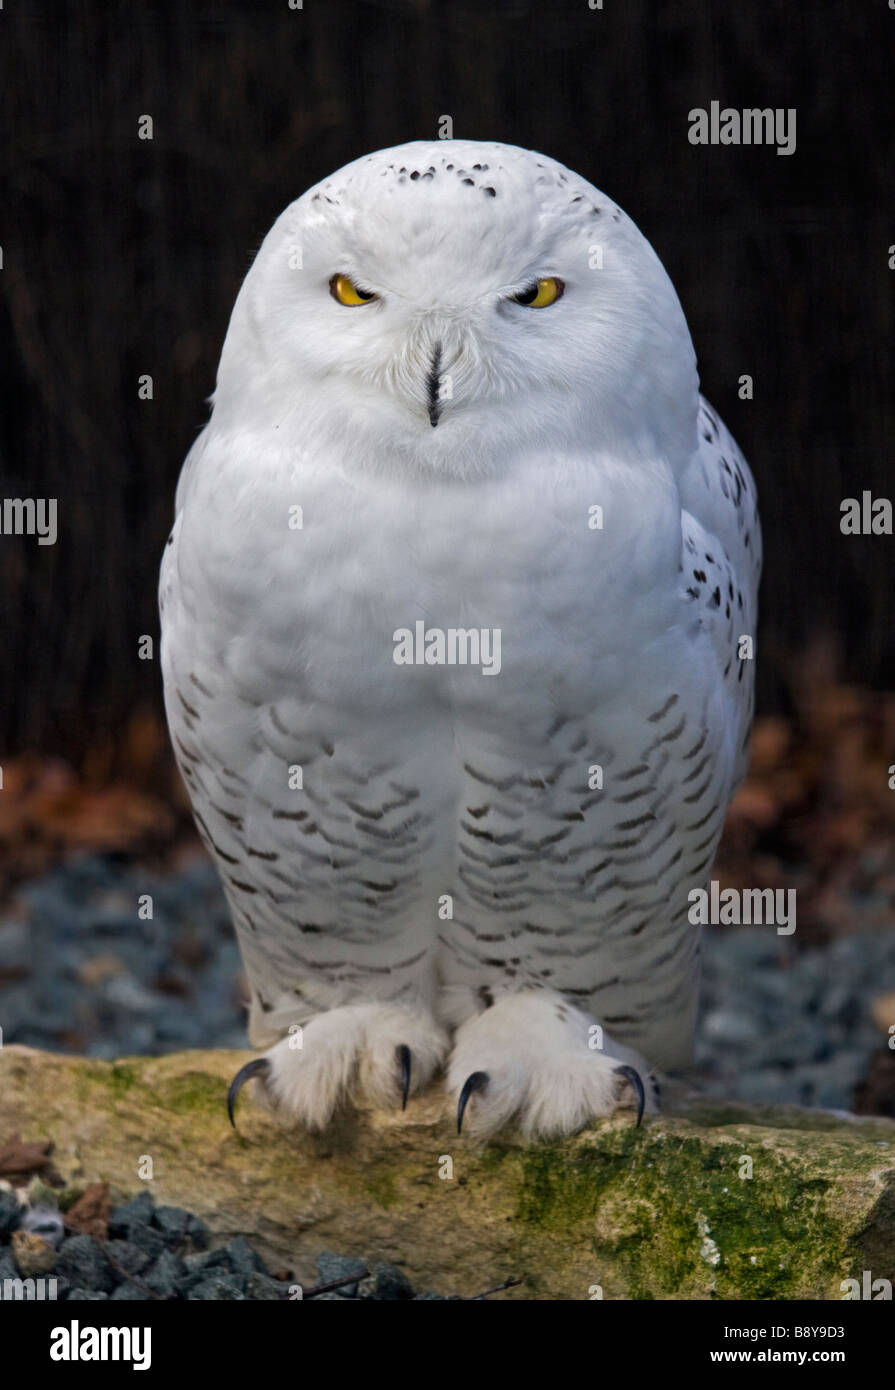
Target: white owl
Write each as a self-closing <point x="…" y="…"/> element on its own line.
<point x="457" y="625"/>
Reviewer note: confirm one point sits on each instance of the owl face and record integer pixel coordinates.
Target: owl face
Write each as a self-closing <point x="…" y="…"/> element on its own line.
<point x="448" y="304"/>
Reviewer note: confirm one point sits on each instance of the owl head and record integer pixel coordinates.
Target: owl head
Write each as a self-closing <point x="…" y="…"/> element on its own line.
<point x="453" y="305"/>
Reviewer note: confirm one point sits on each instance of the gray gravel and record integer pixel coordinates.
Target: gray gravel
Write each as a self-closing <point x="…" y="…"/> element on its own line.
<point x="89" y="975"/>
<point x="784" y="1025"/>
<point x="160" y="1253"/>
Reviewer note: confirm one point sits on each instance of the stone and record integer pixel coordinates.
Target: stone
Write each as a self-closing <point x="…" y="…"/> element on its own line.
<point x="216" y="1287"/>
<point x="391" y="1283"/>
<point x="11" y="1212"/>
<point x="128" y="1293"/>
<point x="83" y="1263"/>
<point x="261" y="1286"/>
<point x="33" y="1255"/>
<point x="665" y="1211"/>
<point x="138" y="1211"/>
<point x="47" y="1223"/>
<point x="165" y="1275"/>
<point x="331" y="1267"/>
<point x="173" y="1222"/>
<point x="243" y="1259"/>
<point x="128" y="1256"/>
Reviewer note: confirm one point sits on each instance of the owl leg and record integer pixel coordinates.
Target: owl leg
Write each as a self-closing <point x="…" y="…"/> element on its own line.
<point x="534" y="1060"/>
<point x="378" y="1054"/>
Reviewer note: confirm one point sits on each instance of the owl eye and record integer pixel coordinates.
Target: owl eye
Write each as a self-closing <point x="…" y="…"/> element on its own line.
<point x="345" y="291"/>
<point x="540" y="294"/>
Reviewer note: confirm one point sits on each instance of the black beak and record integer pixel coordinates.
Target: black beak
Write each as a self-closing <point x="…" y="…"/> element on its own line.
<point x="433" y="385"/>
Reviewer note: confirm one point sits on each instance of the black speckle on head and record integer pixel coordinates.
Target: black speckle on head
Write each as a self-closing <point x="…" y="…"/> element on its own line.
<point x="492" y="192"/>
<point x="415" y="175"/>
<point x="470" y="182"/>
<point x="449" y="166"/>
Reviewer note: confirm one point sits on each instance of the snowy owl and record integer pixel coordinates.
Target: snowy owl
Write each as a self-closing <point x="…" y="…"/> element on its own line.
<point x="458" y="614"/>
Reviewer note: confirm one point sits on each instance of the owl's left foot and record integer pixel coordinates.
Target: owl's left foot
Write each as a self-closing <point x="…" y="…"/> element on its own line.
<point x="535" y="1061"/>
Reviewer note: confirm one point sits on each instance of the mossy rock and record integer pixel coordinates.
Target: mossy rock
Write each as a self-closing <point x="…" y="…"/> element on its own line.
<point x="713" y="1201"/>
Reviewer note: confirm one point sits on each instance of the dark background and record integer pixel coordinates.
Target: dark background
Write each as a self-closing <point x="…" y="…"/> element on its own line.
<point x="123" y="257"/>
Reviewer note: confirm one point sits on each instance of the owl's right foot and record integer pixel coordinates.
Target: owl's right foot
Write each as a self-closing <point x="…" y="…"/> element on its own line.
<point x="378" y="1054"/>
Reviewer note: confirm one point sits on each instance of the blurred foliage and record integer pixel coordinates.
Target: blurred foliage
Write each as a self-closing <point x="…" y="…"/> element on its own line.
<point x="123" y="257"/>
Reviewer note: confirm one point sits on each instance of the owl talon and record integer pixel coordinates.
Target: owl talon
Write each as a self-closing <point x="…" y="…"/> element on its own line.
<point x="402" y="1053"/>
<point x="636" y="1082"/>
<point x="259" y="1066"/>
<point x="476" y="1082"/>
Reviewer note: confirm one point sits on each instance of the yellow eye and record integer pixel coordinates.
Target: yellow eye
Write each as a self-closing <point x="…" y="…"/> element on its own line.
<point x="347" y="292"/>
<point x="541" y="293"/>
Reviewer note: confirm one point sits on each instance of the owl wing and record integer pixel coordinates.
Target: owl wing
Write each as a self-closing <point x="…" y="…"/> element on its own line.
<point x="722" y="559"/>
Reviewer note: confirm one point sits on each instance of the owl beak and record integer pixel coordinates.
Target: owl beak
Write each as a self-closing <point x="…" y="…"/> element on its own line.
<point x="433" y="384"/>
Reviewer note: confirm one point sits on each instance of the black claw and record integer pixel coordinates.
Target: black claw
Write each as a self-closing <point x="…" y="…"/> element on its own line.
<point x="476" y="1082"/>
<point x="259" y="1066"/>
<point x="636" y="1086"/>
<point x="402" y="1053"/>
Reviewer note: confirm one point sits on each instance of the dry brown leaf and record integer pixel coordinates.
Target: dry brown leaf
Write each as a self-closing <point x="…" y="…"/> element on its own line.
<point x="882" y="1010"/>
<point x="18" y="1159"/>
<point x="90" y="1213"/>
